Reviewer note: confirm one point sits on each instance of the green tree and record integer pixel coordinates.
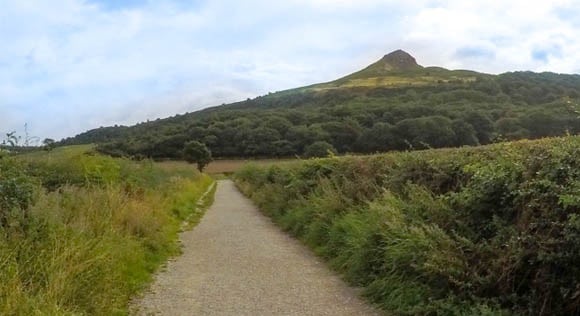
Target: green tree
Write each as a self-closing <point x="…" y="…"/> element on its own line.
<point x="543" y="123"/>
<point x="196" y="152"/>
<point x="430" y="131"/>
<point x="12" y="139"/>
<point x="319" y="149"/>
<point x="302" y="135"/>
<point x="510" y="128"/>
<point x="49" y="144"/>
<point x="344" y="134"/>
<point x="464" y="133"/>
<point x="378" y="138"/>
<point x="482" y="124"/>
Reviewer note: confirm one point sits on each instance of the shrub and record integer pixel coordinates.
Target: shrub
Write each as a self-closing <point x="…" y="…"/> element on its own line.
<point x="491" y="230"/>
<point x="319" y="149"/>
<point x="16" y="192"/>
<point x="196" y="152"/>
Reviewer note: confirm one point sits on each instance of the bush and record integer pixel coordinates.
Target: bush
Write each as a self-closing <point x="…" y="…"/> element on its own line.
<point x="16" y="193"/>
<point x="476" y="231"/>
<point x="196" y="152"/>
<point x="319" y="149"/>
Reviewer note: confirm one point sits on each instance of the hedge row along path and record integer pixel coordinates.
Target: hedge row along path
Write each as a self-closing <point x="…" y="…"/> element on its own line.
<point x="237" y="262"/>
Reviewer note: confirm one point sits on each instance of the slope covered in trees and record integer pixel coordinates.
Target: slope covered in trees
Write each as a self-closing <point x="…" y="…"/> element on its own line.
<point x="394" y="104"/>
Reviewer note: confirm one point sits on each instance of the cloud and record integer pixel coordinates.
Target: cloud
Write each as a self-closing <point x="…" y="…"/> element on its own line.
<point x="474" y="52"/>
<point x="87" y="63"/>
<point x="508" y="30"/>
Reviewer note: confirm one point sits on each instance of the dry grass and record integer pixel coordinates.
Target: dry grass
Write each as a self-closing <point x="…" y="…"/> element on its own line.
<point x="230" y="166"/>
<point x="93" y="240"/>
<point x="393" y="82"/>
<point x="222" y="166"/>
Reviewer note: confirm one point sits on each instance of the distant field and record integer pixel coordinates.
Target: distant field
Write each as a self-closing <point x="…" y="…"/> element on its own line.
<point x="216" y="167"/>
<point x="393" y="81"/>
<point x="227" y="165"/>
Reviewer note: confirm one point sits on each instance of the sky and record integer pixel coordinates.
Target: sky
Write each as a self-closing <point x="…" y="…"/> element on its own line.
<point x="71" y="65"/>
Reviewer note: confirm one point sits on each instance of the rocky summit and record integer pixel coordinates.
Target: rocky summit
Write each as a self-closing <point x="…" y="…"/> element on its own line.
<point x="399" y="60"/>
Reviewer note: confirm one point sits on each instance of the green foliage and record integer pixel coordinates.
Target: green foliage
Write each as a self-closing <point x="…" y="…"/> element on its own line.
<point x="48" y="144"/>
<point x="476" y="231"/>
<point x="319" y="149"/>
<point x="82" y="233"/>
<point x="16" y="193"/>
<point x="425" y="132"/>
<point x="415" y="109"/>
<point x="196" y="152"/>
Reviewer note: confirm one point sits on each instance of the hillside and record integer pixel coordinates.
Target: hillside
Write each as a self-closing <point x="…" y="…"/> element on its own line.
<point x="393" y="104"/>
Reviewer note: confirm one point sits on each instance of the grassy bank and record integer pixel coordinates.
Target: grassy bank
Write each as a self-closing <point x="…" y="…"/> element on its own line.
<point x="81" y="233"/>
<point x="490" y="230"/>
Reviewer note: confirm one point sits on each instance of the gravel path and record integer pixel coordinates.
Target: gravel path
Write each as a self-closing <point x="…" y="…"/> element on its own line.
<point x="237" y="262"/>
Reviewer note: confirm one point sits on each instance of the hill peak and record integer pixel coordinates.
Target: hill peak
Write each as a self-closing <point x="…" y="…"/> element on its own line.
<point x="399" y="60"/>
<point x="396" y="63"/>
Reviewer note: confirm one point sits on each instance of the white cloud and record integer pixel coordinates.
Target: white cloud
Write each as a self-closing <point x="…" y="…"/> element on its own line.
<point x="512" y="29"/>
<point x="93" y="66"/>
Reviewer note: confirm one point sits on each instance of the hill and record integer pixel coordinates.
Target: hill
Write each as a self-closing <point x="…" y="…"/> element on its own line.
<point x="393" y="104"/>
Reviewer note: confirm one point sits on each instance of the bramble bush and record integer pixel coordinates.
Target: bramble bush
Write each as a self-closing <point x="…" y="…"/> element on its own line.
<point x="491" y="230"/>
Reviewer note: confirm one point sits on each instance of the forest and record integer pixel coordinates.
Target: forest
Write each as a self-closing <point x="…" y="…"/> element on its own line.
<point x="312" y="121"/>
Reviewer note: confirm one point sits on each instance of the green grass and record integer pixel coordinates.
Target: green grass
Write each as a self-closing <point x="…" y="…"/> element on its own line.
<point x="93" y="232"/>
<point x="377" y="76"/>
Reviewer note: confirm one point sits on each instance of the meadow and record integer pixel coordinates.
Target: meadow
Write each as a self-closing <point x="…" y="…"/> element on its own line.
<point x="82" y="233"/>
<point x="220" y="167"/>
<point x="491" y="230"/>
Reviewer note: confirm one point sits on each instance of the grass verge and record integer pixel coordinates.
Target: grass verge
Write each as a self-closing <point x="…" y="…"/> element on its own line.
<point x="80" y="233"/>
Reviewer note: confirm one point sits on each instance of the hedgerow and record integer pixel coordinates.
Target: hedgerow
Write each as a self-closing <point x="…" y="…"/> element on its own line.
<point x="472" y="231"/>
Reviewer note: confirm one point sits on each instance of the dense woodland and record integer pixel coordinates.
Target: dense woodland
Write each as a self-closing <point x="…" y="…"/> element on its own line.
<point x="311" y="121"/>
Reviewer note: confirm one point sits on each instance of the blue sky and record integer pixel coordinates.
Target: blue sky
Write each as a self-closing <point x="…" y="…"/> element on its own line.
<point x="71" y="65"/>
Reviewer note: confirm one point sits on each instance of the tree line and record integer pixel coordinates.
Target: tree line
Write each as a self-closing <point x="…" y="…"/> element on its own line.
<point x="306" y="122"/>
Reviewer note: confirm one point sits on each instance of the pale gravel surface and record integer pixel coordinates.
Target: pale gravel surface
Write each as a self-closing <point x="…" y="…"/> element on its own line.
<point x="237" y="262"/>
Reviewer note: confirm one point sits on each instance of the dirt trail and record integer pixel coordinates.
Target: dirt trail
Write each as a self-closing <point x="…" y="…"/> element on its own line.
<point x="237" y="262"/>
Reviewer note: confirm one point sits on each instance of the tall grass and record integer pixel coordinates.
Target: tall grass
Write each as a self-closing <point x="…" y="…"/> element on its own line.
<point x="476" y="231"/>
<point x="93" y="232"/>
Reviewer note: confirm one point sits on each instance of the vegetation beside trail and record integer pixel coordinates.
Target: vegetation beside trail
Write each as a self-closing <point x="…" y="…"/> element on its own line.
<point x="491" y="230"/>
<point x="81" y="233"/>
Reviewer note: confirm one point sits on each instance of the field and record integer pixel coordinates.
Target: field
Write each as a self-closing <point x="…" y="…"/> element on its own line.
<point x="223" y="166"/>
<point x="82" y="233"/>
<point x="392" y="82"/>
<point x="492" y="230"/>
